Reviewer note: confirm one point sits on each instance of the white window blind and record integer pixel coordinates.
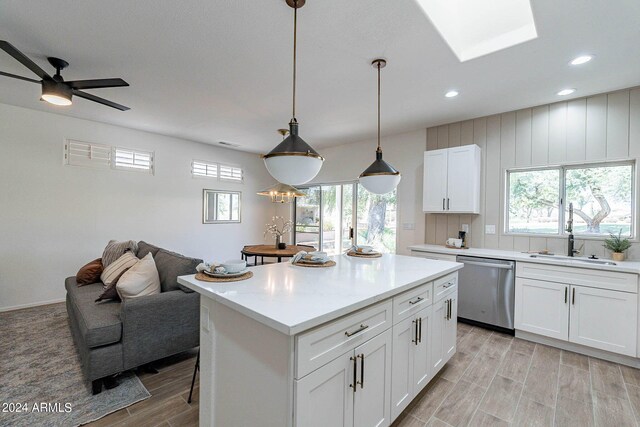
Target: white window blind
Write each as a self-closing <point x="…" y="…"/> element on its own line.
<point x="128" y="159"/>
<point x="209" y="170"/>
<point x="81" y="153"/>
<point x="230" y="173"/>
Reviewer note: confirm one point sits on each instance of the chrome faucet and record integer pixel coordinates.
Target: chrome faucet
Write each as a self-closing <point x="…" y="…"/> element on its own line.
<point x="570" y="246"/>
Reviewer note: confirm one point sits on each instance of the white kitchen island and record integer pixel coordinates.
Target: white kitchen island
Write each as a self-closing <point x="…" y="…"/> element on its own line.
<point x="349" y="345"/>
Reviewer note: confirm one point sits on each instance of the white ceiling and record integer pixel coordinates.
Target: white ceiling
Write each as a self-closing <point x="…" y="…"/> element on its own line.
<point x="221" y="70"/>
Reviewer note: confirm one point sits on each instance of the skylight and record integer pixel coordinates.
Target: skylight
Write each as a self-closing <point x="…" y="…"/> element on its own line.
<point x="474" y="28"/>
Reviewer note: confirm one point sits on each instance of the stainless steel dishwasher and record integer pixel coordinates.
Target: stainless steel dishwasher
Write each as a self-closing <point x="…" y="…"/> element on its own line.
<point x="486" y="289"/>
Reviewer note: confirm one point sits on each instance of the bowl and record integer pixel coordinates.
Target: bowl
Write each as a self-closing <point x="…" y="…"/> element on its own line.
<point x="234" y="265"/>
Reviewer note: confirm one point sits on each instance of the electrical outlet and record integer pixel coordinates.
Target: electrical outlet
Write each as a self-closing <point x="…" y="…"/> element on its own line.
<point x="465" y="228"/>
<point x="408" y="226"/>
<point x="490" y="229"/>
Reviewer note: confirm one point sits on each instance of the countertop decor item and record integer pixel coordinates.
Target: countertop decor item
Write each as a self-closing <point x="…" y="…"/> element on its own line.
<point x="278" y="228"/>
<point x="329" y="263"/>
<point x="617" y="245"/>
<point x="293" y="161"/>
<point x="205" y="278"/>
<point x="362" y="255"/>
<point x="380" y="177"/>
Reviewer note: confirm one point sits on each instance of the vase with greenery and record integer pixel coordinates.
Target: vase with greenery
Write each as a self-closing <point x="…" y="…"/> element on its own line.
<point x="277" y="229"/>
<point x="617" y="245"/>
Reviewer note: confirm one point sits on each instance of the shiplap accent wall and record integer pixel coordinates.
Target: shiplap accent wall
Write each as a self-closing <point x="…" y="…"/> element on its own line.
<point x="596" y="128"/>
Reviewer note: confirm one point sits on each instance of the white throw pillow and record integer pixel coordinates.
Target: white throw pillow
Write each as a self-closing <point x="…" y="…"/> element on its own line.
<point x="140" y="280"/>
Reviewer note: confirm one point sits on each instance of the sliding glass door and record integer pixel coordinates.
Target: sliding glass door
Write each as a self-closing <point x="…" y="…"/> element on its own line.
<point x="333" y="217"/>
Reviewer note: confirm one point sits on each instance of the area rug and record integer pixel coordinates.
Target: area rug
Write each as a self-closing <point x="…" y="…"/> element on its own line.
<point x="41" y="382"/>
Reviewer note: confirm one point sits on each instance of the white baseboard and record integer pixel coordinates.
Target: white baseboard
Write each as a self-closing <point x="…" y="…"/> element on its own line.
<point x="577" y="348"/>
<point x="33" y="304"/>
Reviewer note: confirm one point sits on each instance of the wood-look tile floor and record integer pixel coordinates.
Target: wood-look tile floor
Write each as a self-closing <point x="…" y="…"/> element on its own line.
<point x="498" y="380"/>
<point x="492" y="380"/>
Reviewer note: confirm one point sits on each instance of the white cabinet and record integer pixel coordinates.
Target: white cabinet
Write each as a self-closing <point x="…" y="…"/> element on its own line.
<point x="542" y="308"/>
<point x="450" y="333"/>
<point x="443" y="330"/>
<point x="352" y="390"/>
<point x="452" y="180"/>
<point x="411" y="369"/>
<point x="604" y="319"/>
<point x="594" y="315"/>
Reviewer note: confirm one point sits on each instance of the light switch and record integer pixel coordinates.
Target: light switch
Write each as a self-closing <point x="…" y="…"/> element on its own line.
<point x="490" y="229"/>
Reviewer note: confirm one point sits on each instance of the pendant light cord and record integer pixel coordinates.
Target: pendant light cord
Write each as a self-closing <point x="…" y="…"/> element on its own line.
<point x="295" y="33"/>
<point x="379" y="149"/>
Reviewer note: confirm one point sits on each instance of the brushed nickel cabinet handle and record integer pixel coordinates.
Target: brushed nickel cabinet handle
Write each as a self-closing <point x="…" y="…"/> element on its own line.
<point x="355" y="373"/>
<point x="420" y="329"/>
<point x="442" y="204"/>
<point x="447" y="203"/>
<point x="415" y="332"/>
<point x="449" y="284"/>
<point x="573" y="296"/>
<point x="361" y="382"/>
<point x="360" y="329"/>
<point x="417" y="300"/>
<point x="566" y="291"/>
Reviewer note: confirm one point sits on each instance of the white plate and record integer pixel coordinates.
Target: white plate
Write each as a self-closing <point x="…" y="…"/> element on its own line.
<point x="239" y="273"/>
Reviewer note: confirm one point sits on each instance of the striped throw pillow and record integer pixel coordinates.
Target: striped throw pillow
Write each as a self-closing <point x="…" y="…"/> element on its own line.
<point x="114" y="250"/>
<point x="113" y="272"/>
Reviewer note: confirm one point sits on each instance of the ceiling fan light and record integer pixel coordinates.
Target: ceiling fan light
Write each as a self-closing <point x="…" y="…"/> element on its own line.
<point x="56" y="93"/>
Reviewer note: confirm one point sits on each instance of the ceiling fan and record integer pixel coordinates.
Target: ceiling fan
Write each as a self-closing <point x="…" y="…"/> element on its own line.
<point x="54" y="89"/>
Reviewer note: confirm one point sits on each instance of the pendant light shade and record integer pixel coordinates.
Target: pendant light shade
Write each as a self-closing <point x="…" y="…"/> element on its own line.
<point x="293" y="161"/>
<point x="380" y="177"/>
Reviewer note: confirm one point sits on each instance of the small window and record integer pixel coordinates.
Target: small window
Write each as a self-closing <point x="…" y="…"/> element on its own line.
<point x="534" y="197"/>
<point x="221" y="206"/>
<point x="230" y="173"/>
<point x="127" y="159"/>
<point x="80" y="153"/>
<point x="209" y="170"/>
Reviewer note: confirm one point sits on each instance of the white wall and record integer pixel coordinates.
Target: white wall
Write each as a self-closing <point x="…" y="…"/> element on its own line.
<point x="597" y="128"/>
<point x="55" y="218"/>
<point x="404" y="152"/>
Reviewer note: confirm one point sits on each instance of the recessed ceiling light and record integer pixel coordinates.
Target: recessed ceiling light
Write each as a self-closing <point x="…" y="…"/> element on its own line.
<point x="581" y="60"/>
<point x="565" y="92"/>
<point x="452" y="93"/>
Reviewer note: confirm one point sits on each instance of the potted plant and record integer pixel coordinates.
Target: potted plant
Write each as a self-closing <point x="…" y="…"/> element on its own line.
<point x="278" y="230"/>
<point x="617" y="245"/>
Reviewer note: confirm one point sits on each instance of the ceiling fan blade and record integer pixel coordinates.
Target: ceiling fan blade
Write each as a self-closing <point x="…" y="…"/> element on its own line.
<point x="22" y="58"/>
<point x="27" y="79"/>
<point x="96" y="84"/>
<point x="99" y="100"/>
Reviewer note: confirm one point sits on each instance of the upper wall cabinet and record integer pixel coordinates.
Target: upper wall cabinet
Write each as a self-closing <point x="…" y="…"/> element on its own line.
<point x="452" y="180"/>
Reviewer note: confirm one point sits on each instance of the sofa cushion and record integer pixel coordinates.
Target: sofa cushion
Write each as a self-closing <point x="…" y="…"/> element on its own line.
<point x="89" y="273"/>
<point x="144" y="248"/>
<point x="98" y="324"/>
<point x="171" y="265"/>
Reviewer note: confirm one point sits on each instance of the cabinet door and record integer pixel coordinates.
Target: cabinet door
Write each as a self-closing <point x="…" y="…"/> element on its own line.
<point x="436" y="352"/>
<point x="422" y="372"/>
<point x="450" y="326"/>
<point x="435" y="181"/>
<point x="372" y="399"/>
<point x="325" y="396"/>
<point x="542" y="308"/>
<point x="404" y="336"/>
<point x="463" y="179"/>
<point x="604" y="319"/>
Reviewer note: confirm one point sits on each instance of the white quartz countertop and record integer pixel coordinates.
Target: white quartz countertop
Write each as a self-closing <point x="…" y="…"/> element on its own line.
<point x="293" y="299"/>
<point x="622" y="267"/>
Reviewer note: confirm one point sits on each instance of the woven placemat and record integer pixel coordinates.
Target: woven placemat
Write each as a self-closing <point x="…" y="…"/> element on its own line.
<point x="308" y="264"/>
<point x="204" y="278"/>
<point x="357" y="255"/>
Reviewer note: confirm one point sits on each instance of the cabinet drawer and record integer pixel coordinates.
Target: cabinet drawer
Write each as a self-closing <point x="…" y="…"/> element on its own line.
<point x="583" y="276"/>
<point x="323" y="344"/>
<point x="444" y="285"/>
<point x="410" y="302"/>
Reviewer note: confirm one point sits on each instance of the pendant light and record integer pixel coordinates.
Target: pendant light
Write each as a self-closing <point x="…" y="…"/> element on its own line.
<point x="282" y="193"/>
<point x="293" y="161"/>
<point x="380" y="177"/>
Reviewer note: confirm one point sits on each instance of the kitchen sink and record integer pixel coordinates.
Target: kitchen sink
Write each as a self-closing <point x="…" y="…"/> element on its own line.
<point x="574" y="259"/>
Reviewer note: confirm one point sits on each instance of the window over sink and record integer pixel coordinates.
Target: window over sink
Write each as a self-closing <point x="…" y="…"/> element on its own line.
<point x="603" y="197"/>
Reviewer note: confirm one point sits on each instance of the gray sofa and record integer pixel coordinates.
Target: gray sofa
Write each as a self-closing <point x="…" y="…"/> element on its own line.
<point x="114" y="336"/>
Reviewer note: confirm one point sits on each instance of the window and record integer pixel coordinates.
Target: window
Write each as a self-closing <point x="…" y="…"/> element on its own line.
<point x="221" y="206"/>
<point x="335" y="216"/>
<point x="602" y="197"/>
<point x="80" y="153"/>
<point x="230" y="173"/>
<point x="209" y="170"/>
<point x="128" y="159"/>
